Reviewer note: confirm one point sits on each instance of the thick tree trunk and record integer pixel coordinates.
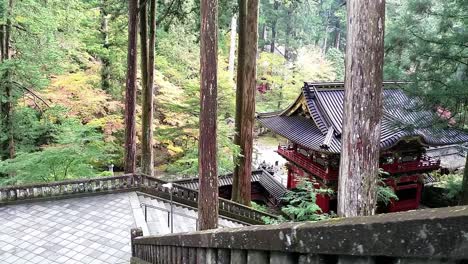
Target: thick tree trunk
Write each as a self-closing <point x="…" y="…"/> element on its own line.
<point x="263" y="36"/>
<point x="273" y="38"/>
<point x="143" y="16"/>
<point x="337" y="34"/>
<point x="325" y="41"/>
<point x="242" y="192"/>
<point x="7" y="106"/>
<point x="232" y="46"/>
<point x="207" y="160"/>
<point x="464" y="197"/>
<point x="357" y="187"/>
<point x="105" y="69"/>
<point x="148" y="98"/>
<point x="239" y="91"/>
<point x="2" y="41"/>
<point x="130" y="91"/>
<point x="147" y="165"/>
<point x="288" y="34"/>
<point x="273" y="28"/>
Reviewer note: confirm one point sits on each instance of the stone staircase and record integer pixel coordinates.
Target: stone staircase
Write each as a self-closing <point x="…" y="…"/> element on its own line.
<point x="185" y="217"/>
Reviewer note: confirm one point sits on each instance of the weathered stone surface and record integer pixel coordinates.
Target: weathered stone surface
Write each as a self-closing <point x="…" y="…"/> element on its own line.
<point x="138" y="261"/>
<point x="238" y="256"/>
<point x="282" y="258"/>
<point x="257" y="257"/>
<point x="431" y="233"/>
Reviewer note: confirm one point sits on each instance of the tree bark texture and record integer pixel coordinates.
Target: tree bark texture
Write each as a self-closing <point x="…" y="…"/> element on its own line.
<point x="337" y="34"/>
<point x="288" y="33"/>
<point x="148" y="97"/>
<point x="359" y="165"/>
<point x="232" y="46"/>
<point x="273" y="28"/>
<point x="242" y="193"/>
<point x="464" y="197"/>
<point x="6" y="107"/>
<point x="130" y="90"/>
<point x="147" y="69"/>
<point x="105" y="69"/>
<point x="207" y="160"/>
<point x="263" y="37"/>
<point x="239" y="90"/>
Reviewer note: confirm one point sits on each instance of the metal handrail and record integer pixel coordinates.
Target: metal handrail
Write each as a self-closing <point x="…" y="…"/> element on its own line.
<point x="169" y="214"/>
<point x="169" y="222"/>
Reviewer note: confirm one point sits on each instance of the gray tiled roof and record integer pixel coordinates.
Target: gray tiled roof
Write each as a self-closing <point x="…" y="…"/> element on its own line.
<point x="276" y="189"/>
<point x="402" y="117"/>
<point x="224" y="180"/>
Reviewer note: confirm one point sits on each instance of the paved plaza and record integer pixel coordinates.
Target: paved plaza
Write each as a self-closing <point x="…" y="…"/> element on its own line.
<point x="80" y="230"/>
<point x="91" y="230"/>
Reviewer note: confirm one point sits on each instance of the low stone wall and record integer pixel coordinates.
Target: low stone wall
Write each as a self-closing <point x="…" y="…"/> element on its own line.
<point x="124" y="183"/>
<point x="432" y="235"/>
<point x="65" y="189"/>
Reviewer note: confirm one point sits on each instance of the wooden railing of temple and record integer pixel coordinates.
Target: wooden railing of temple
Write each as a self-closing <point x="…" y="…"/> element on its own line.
<point x="128" y="182"/>
<point x="307" y="164"/>
<point x="422" y="236"/>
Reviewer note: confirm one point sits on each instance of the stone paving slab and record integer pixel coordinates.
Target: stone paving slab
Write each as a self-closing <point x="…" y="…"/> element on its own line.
<point x="89" y="230"/>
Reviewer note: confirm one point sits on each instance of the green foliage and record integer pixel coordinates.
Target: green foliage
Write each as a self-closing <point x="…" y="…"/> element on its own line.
<point x="259" y="207"/>
<point x="452" y="183"/>
<point x="77" y="151"/>
<point x="302" y="202"/>
<point x="285" y="78"/>
<point x="274" y="221"/>
<point x="425" y="43"/>
<point x="336" y="58"/>
<point x="385" y="194"/>
<point x="179" y="85"/>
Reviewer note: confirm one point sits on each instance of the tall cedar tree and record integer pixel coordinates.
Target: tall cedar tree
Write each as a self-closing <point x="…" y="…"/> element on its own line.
<point x="207" y="161"/>
<point x="106" y="65"/>
<point x="232" y="46"/>
<point x="130" y="91"/>
<point x="147" y="72"/>
<point x="236" y="183"/>
<point x="6" y="106"/>
<point x="359" y="168"/>
<point x="245" y="99"/>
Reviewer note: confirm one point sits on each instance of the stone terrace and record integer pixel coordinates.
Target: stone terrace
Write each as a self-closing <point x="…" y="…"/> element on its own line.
<point x="78" y="230"/>
<point x="91" y="230"/>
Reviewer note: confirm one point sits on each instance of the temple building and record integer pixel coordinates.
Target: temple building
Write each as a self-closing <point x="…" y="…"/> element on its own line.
<point x="313" y="127"/>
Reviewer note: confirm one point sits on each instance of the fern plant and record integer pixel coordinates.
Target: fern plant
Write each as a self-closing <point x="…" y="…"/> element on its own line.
<point x="385" y="194"/>
<point x="302" y="203"/>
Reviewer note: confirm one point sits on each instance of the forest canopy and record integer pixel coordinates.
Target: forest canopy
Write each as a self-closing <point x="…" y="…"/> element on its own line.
<point x="63" y="81"/>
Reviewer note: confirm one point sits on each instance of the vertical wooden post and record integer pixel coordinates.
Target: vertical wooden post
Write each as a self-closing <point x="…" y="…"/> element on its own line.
<point x="207" y="160"/>
<point x="357" y="188"/>
<point x="134" y="233"/>
<point x="130" y="90"/>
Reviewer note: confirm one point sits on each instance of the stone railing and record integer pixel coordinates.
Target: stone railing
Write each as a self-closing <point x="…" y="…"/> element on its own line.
<point x="67" y="188"/>
<point x="187" y="196"/>
<point x="423" y="236"/>
<point x="129" y="182"/>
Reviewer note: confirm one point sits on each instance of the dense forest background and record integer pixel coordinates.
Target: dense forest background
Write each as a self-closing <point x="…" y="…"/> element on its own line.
<point x="62" y="86"/>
